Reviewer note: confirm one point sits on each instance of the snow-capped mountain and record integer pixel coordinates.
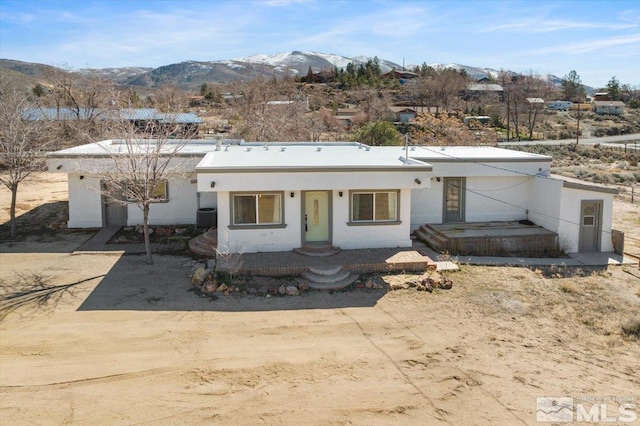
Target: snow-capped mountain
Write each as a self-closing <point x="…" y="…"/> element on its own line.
<point x="190" y="75"/>
<point x="301" y="61"/>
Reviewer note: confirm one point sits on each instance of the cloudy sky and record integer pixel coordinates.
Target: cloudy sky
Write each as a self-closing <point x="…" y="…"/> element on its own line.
<point x="598" y="39"/>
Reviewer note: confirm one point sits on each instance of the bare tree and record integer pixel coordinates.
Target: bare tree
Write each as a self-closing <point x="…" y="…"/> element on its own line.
<point x="446" y="86"/>
<point x="270" y="109"/>
<point x="23" y="140"/>
<point x="138" y="169"/>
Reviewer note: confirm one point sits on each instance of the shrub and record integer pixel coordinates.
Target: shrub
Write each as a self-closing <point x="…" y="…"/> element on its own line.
<point x="631" y="327"/>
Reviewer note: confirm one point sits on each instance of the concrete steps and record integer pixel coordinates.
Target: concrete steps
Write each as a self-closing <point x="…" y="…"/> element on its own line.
<point x="318" y="250"/>
<point x="329" y="277"/>
<point x="205" y="244"/>
<point x="432" y="238"/>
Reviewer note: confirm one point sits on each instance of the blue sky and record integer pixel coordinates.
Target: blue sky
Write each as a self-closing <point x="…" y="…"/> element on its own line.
<point x="598" y="39"/>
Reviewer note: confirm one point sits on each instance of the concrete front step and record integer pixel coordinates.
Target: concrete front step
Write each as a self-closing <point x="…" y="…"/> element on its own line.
<point x="348" y="280"/>
<point x="204" y="244"/>
<point x="325" y="269"/>
<point x="211" y="237"/>
<point x="317" y="250"/>
<point x="324" y="278"/>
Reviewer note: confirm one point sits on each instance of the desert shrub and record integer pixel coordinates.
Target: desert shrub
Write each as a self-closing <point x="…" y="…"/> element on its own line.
<point x="631" y="327"/>
<point x="570" y="287"/>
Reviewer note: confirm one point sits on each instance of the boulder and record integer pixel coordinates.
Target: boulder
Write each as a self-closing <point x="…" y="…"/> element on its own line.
<point x="222" y="288"/>
<point x="210" y="286"/>
<point x="199" y="276"/>
<point x="291" y="290"/>
<point x="303" y="286"/>
<point x="282" y="290"/>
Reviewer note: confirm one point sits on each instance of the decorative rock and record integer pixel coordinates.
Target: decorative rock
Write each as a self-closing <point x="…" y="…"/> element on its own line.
<point x="222" y="288"/>
<point x="252" y="290"/>
<point x="303" y="286"/>
<point x="291" y="290"/>
<point x="128" y="229"/>
<point x="180" y="231"/>
<point x="359" y="284"/>
<point x="164" y="231"/>
<point x="282" y="290"/>
<point x="121" y="239"/>
<point x="199" y="275"/>
<point x="368" y="284"/>
<point x="210" y="286"/>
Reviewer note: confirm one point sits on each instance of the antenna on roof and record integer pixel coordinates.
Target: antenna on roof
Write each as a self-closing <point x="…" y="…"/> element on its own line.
<point x="406" y="148"/>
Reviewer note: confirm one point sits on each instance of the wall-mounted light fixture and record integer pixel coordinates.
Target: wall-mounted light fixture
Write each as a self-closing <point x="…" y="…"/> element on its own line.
<point x="81" y="177"/>
<point x="418" y="181"/>
<point x="340" y="193"/>
<point x="438" y="179"/>
<point x="291" y="194"/>
<point x="213" y="184"/>
<point x="59" y="167"/>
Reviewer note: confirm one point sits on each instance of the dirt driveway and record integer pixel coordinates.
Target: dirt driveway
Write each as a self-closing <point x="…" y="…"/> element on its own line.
<point x="130" y="345"/>
<point x="127" y="343"/>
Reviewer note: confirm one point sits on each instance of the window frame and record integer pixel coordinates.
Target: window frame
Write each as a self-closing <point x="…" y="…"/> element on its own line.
<point x="394" y="221"/>
<point x="165" y="199"/>
<point x="257" y="224"/>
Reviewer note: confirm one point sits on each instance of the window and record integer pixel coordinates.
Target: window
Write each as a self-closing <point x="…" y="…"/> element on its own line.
<point x="135" y="191"/>
<point x="379" y="206"/>
<point x="257" y="209"/>
<point x="161" y="191"/>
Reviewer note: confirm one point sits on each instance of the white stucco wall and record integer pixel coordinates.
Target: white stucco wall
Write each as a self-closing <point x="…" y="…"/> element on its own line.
<point x="544" y="202"/>
<point x="181" y="209"/>
<point x="309" y="181"/>
<point x="261" y="239"/>
<point x="290" y="237"/>
<point x="85" y="202"/>
<point x="486" y="199"/>
<point x="371" y="236"/>
<point x="496" y="198"/>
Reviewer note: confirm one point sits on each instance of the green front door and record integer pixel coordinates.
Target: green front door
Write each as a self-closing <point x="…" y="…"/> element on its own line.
<point x="316" y="216"/>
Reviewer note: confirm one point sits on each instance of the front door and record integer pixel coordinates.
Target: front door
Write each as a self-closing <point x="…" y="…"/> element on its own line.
<point x="316" y="216"/>
<point x="453" y="203"/>
<point x="590" y="226"/>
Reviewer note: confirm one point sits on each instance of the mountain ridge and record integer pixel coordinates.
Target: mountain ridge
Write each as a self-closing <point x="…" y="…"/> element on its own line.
<point x="189" y="75"/>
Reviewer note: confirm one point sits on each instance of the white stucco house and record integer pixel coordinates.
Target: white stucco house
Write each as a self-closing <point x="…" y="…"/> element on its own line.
<point x="282" y="196"/>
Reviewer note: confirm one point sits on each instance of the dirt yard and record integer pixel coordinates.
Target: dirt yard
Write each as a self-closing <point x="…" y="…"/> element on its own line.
<point x="120" y="342"/>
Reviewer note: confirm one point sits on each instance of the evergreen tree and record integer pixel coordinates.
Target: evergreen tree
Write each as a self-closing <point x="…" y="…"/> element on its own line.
<point x="573" y="87"/>
<point x="613" y="88"/>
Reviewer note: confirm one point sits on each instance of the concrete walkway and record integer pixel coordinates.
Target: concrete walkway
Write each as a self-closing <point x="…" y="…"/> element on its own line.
<point x="98" y="244"/>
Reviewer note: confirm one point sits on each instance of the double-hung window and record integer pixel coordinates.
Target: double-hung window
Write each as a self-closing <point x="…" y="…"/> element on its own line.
<point x="374" y="206"/>
<point x="263" y="209"/>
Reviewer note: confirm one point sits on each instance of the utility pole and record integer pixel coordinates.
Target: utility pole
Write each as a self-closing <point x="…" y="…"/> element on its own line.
<point x="578" y="126"/>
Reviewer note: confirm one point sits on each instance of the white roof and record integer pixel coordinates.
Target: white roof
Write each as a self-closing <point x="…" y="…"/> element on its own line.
<point x="307" y="155"/>
<point x="472" y="153"/>
<point x="191" y="147"/>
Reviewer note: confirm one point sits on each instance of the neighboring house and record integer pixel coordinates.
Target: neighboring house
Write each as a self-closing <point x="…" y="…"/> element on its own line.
<point x="184" y="123"/>
<point x="608" y="107"/>
<point x="403" y="114"/>
<point x="479" y="90"/>
<point x="346" y="115"/>
<point x="283" y="196"/>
